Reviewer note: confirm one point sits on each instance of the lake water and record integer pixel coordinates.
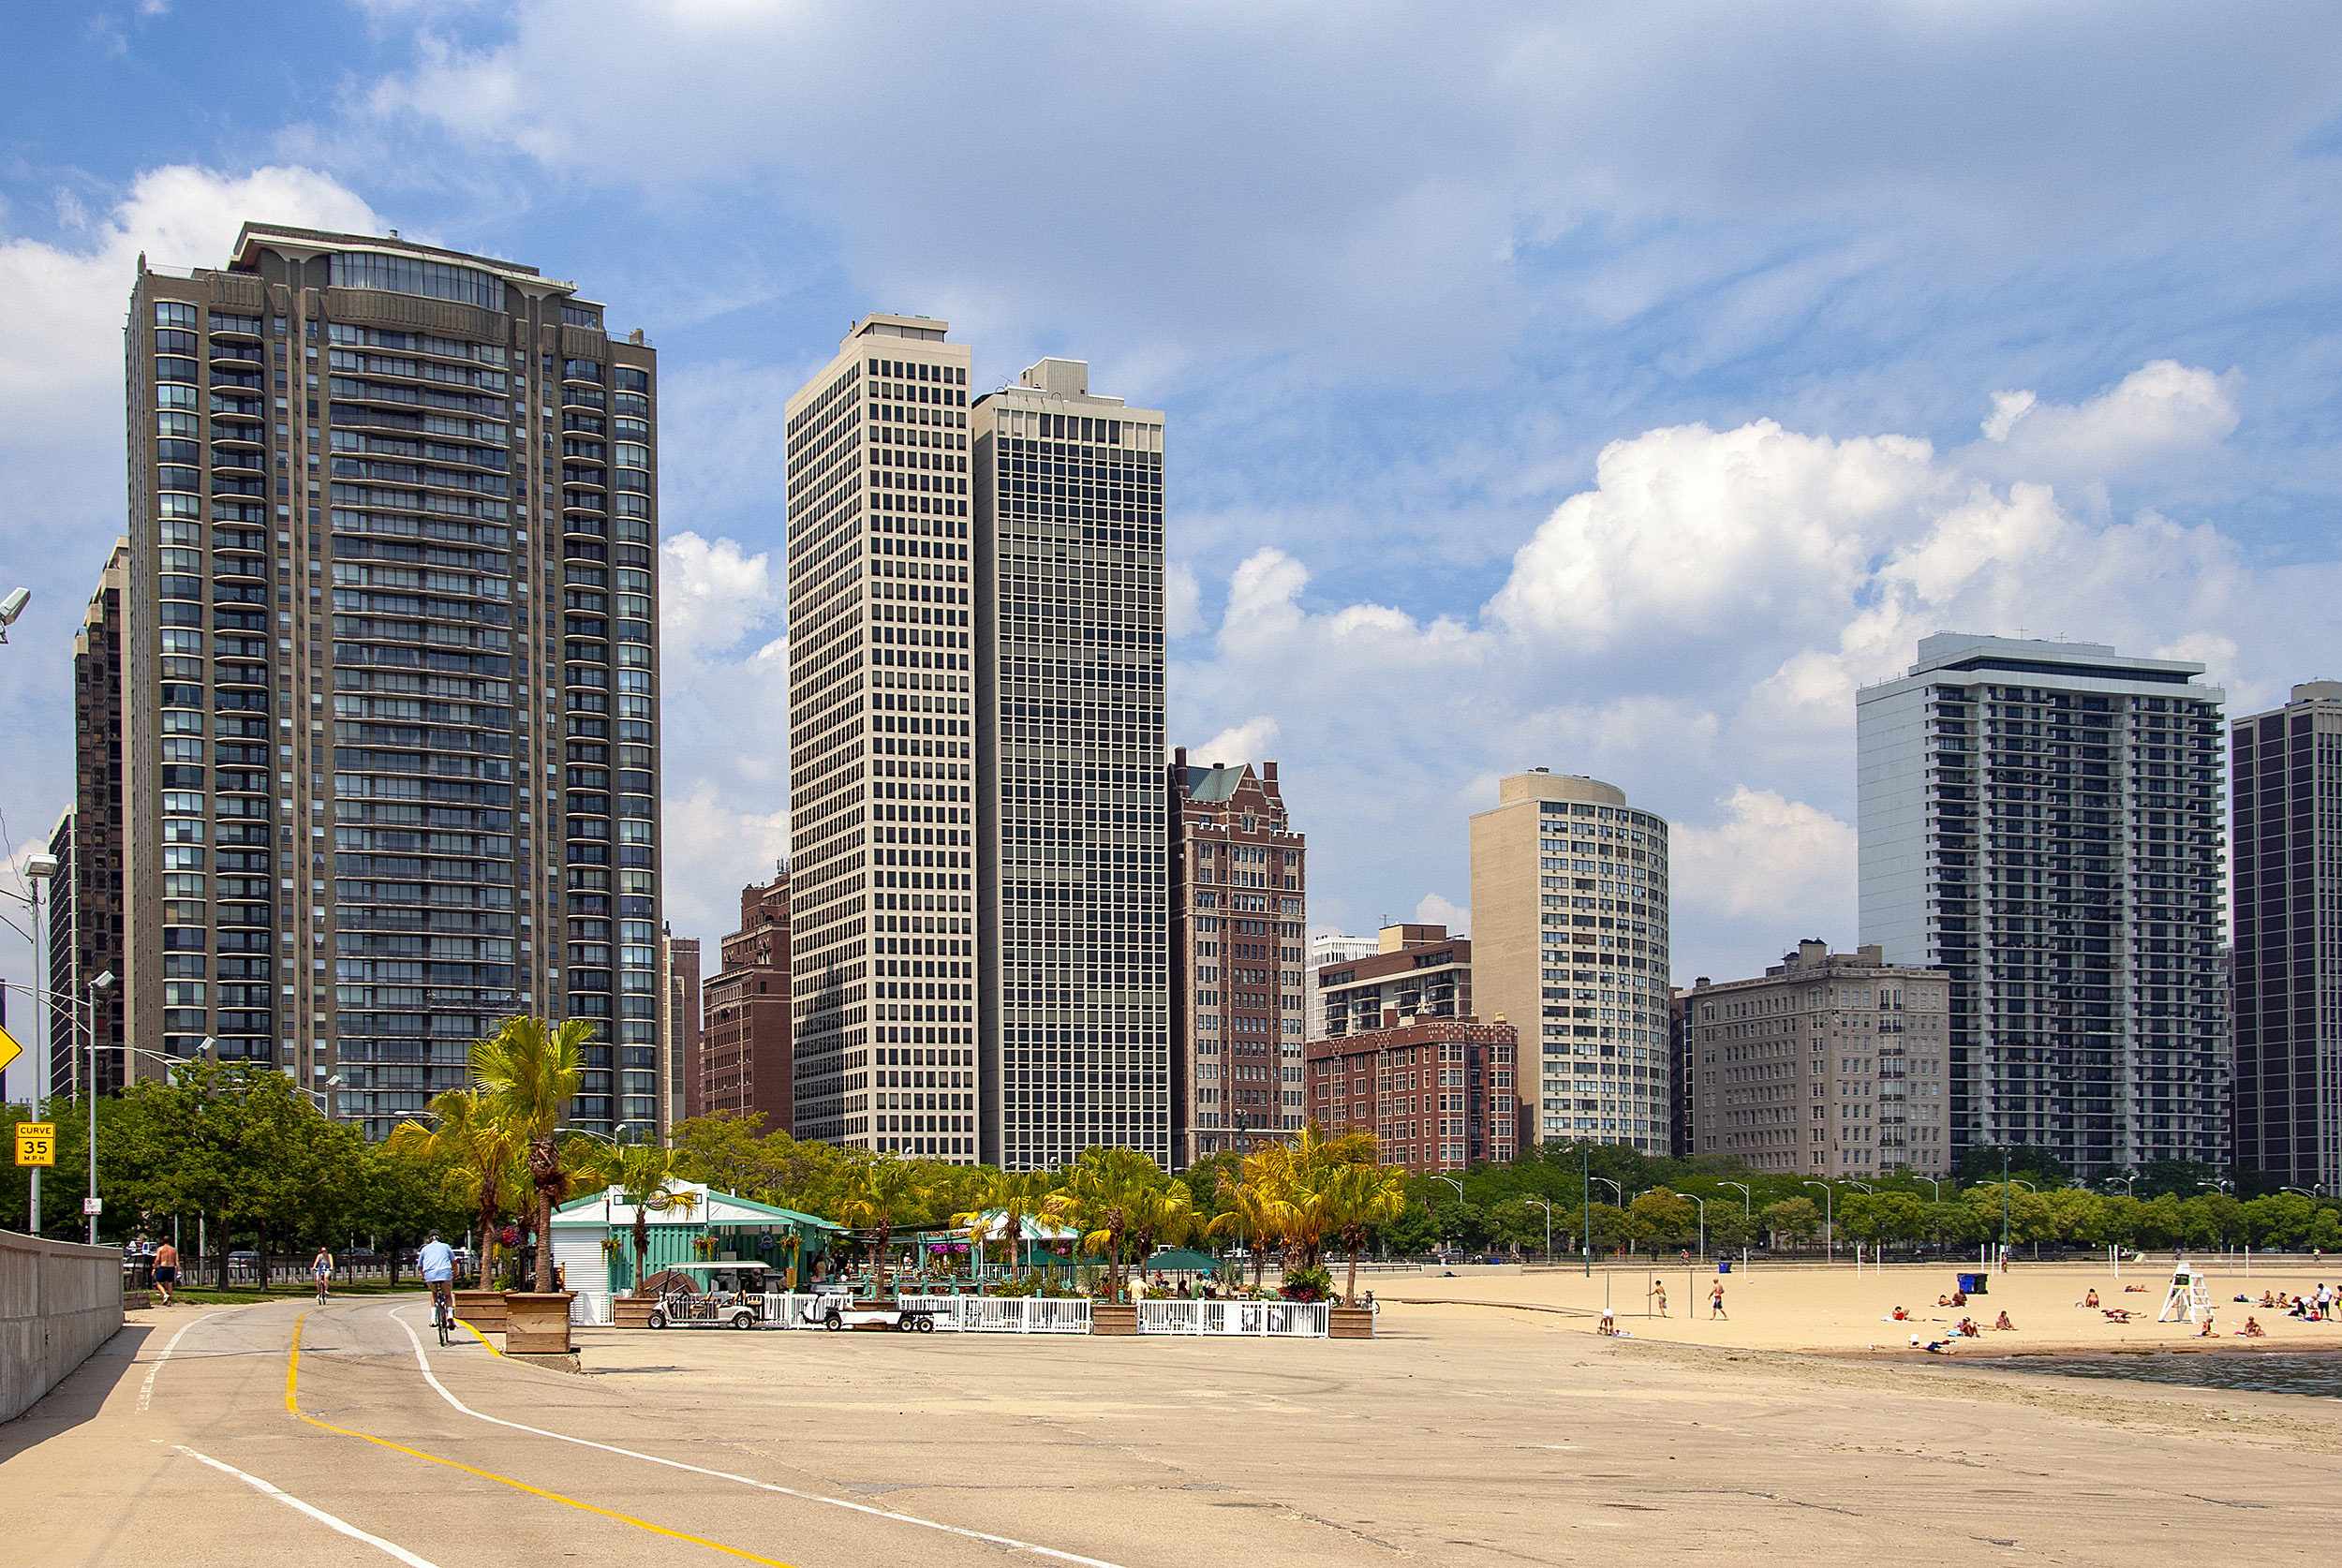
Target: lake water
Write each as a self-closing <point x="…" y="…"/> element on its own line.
<point x="2314" y="1372"/>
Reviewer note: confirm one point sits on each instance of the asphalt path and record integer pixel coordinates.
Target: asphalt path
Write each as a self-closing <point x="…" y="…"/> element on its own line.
<point x="288" y="1435"/>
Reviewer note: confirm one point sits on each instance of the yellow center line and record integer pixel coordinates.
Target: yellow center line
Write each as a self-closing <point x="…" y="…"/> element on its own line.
<point x="292" y="1388"/>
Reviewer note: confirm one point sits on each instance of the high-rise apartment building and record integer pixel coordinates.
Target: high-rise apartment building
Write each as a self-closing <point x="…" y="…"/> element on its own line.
<point x="1412" y="971"/>
<point x="1238" y="897"/>
<point x="1683" y="1083"/>
<point x="679" y="1026"/>
<point x="748" y="1063"/>
<point x="1438" y="1093"/>
<point x="86" y="910"/>
<point x="2288" y="961"/>
<point x="883" y="799"/>
<point x="2043" y="820"/>
<point x="1326" y="948"/>
<point x="1829" y="1063"/>
<point x="391" y="665"/>
<point x="1569" y="924"/>
<point x="1076" y="1017"/>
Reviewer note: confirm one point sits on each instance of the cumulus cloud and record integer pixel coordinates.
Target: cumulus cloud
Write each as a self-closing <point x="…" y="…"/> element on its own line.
<point x="1695" y="627"/>
<point x="1777" y="860"/>
<point x="1433" y="909"/>
<point x="1253" y="741"/>
<point x="711" y="595"/>
<point x="2162" y="411"/>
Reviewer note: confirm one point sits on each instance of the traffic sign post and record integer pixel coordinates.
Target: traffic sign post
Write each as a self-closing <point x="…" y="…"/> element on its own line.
<point x="36" y="1143"/>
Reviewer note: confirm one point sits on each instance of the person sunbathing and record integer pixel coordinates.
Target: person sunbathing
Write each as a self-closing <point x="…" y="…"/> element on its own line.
<point x="2252" y="1329"/>
<point x="2210" y="1328"/>
<point x="2092" y="1299"/>
<point x="2267" y="1299"/>
<point x="1959" y="1298"/>
<point x="1942" y="1301"/>
<point x="1942" y="1347"/>
<point x="2004" y="1323"/>
<point x="1901" y="1316"/>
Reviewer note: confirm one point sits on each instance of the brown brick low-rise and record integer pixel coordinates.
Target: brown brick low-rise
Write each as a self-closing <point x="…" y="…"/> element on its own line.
<point x="1437" y="1093"/>
<point x="746" y="1055"/>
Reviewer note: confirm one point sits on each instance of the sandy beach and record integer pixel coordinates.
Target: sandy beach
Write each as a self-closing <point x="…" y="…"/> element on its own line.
<point x="1825" y="1307"/>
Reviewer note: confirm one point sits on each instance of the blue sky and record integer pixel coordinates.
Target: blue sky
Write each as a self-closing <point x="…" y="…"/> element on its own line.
<point x="1607" y="388"/>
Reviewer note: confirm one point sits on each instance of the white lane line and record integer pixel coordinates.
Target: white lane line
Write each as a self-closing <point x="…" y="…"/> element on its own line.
<point x="146" y="1389"/>
<point x="389" y="1548"/>
<point x="1009" y="1541"/>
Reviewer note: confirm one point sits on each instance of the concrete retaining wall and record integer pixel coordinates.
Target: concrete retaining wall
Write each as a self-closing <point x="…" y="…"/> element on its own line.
<point x="58" y="1302"/>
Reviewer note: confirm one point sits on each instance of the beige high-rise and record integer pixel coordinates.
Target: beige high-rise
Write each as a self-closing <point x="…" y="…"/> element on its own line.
<point x="1569" y="928"/>
<point x="881" y="756"/>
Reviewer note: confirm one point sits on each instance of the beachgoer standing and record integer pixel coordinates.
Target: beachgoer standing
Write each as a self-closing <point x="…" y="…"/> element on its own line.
<point x="1659" y="1295"/>
<point x="1715" y="1302"/>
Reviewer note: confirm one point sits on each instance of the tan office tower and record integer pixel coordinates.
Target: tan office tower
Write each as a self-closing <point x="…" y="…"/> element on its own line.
<point x="881" y="756"/>
<point x="391" y="747"/>
<point x="1070" y="736"/>
<point x="1569" y="928"/>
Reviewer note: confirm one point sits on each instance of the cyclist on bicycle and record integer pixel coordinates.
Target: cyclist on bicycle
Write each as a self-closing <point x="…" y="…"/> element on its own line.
<point x="322" y="1270"/>
<point x="437" y="1262"/>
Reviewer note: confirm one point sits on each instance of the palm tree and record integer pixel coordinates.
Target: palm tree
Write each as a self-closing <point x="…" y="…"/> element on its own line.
<point x="1101" y="1199"/>
<point x="886" y="1190"/>
<point x="481" y="1154"/>
<point x="1014" y="1195"/>
<point x="1356" y="1197"/>
<point x="1254" y="1215"/>
<point x="641" y="1173"/>
<point x="1163" y="1214"/>
<point x="528" y="1072"/>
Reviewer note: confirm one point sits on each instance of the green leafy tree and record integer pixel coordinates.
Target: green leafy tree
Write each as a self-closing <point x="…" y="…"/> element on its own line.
<point x="1661" y="1218"/>
<point x="2036" y="1164"/>
<point x="1795" y="1220"/>
<point x="1356" y="1198"/>
<point x="1102" y="1197"/>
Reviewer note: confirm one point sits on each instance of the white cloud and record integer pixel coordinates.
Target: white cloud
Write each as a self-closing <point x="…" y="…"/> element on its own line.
<point x="1253" y="741"/>
<point x="1433" y="909"/>
<point x="715" y="846"/>
<point x="1182" y="601"/>
<point x="2163" y="410"/>
<point x="1769" y="859"/>
<point x="711" y="595"/>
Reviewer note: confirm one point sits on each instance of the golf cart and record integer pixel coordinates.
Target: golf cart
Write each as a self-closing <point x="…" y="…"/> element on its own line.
<point x="836" y="1306"/>
<point x="723" y="1294"/>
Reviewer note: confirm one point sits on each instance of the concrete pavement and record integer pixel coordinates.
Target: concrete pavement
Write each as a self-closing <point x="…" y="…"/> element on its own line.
<point x="1462" y="1435"/>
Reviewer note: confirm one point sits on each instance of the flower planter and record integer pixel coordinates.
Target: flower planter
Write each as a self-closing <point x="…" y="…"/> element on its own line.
<point x="1349" y="1322"/>
<point x="536" y="1325"/>
<point x="1113" y="1317"/>
<point x="483" y="1309"/>
<point x="632" y="1311"/>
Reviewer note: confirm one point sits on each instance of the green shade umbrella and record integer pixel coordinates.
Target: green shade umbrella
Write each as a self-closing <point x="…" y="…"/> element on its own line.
<point x="1181" y="1260"/>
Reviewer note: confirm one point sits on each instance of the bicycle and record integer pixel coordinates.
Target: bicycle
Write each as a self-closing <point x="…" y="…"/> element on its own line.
<point x="443" y="1313"/>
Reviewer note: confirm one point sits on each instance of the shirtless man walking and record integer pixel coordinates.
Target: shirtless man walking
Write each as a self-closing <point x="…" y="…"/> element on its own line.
<point x="166" y="1269"/>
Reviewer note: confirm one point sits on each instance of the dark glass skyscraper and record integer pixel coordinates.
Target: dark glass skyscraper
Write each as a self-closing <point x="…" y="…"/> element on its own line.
<point x="391" y="751"/>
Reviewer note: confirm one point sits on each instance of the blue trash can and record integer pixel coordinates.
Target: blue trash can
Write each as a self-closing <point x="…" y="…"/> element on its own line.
<point x="1972" y="1284"/>
<point x="1724" y="1266"/>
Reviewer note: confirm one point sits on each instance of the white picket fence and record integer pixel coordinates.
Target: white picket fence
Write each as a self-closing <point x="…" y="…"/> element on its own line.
<point x="1034" y="1314"/>
<point x="1302" y="1320"/>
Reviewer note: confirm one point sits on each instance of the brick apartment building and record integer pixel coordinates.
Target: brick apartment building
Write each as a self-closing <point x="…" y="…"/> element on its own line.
<point x="1438" y="1094"/>
<point x="1239" y="939"/>
<point x="746" y="1051"/>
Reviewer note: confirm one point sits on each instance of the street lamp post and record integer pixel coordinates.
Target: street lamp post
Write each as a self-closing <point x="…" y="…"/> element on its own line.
<point x="1748" y="1213"/>
<point x="1828" y="1220"/>
<point x="1585" y="1197"/>
<point x="1459" y="1193"/>
<point x="40" y="869"/>
<point x="1935" y="1188"/>
<point x="1704" y="1223"/>
<point x="103" y="982"/>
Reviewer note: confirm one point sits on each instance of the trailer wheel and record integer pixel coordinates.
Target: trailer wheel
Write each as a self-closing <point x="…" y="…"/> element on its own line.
<point x="658" y="1318"/>
<point x="743" y="1319"/>
<point x="831" y="1320"/>
<point x="926" y="1325"/>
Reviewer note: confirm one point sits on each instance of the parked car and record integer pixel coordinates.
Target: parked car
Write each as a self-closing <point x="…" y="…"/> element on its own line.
<point x="245" y="1259"/>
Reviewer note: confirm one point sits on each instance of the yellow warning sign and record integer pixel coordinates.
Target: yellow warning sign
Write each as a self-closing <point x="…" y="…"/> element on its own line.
<point x="36" y="1143"/>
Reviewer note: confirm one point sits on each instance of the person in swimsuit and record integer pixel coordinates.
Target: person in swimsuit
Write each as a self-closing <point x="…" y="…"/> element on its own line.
<point x="166" y="1269"/>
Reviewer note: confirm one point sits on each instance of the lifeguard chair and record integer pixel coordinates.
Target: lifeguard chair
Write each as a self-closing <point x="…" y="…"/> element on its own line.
<point x="2188" y="1301"/>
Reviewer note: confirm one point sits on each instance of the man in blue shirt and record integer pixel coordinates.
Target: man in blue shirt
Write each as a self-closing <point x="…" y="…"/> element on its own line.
<point x="437" y="1262"/>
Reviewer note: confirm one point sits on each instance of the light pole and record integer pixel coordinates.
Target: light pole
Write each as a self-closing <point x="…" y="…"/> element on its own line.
<point x="40" y="869"/>
<point x="2129" y="1182"/>
<point x="1585" y="1197"/>
<point x="1459" y="1197"/>
<point x="2304" y="1191"/>
<point x="1703" y="1224"/>
<point x="103" y="982"/>
<point x="1830" y="1219"/>
<point x="1935" y="1188"/>
<point x="1748" y="1214"/>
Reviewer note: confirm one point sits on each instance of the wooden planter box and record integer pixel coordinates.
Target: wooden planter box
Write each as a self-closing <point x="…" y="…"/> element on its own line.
<point x="1113" y="1317"/>
<point x="632" y="1311"/>
<point x="537" y="1324"/>
<point x="483" y="1309"/>
<point x="1349" y="1322"/>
